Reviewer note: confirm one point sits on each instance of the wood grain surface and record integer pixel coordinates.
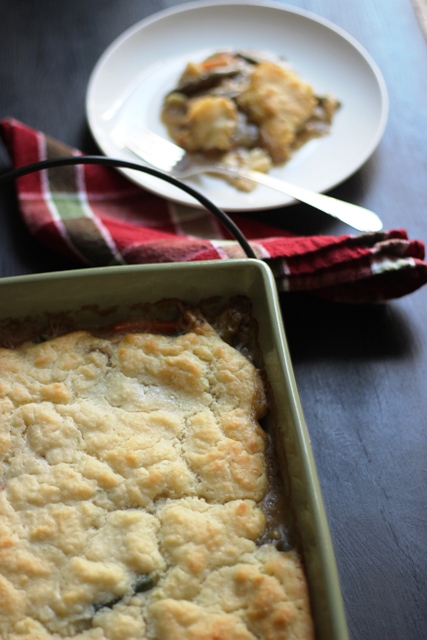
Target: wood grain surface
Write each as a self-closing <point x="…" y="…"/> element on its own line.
<point x="361" y="370"/>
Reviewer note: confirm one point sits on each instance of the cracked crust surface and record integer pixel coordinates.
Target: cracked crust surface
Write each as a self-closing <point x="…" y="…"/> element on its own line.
<point x="132" y="471"/>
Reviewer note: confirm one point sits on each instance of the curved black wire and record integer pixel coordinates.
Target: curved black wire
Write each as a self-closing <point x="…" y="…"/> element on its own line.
<point x="113" y="162"/>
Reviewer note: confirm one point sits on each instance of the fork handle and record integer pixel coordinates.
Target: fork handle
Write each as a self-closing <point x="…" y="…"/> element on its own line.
<point x="357" y="217"/>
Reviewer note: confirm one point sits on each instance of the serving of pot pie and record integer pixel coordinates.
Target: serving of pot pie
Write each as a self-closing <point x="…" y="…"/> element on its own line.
<point x="246" y="109"/>
<point x="133" y="484"/>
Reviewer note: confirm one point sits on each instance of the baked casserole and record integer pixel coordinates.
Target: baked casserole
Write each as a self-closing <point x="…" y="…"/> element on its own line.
<point x="137" y="497"/>
<point x="245" y="109"/>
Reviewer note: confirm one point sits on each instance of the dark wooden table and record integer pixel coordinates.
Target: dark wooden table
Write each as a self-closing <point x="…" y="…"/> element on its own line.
<point x="361" y="371"/>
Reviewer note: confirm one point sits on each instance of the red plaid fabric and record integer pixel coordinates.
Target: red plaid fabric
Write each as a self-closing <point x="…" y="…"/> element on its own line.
<point x="95" y="216"/>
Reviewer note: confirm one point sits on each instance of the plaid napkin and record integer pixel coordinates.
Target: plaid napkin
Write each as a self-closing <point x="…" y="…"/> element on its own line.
<point x="95" y="216"/>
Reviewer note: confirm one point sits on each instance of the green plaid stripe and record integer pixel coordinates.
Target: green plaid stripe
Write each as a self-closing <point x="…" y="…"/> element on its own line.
<point x="69" y="207"/>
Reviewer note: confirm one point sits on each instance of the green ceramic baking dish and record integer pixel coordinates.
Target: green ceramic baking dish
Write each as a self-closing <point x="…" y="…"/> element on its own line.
<point x="111" y="293"/>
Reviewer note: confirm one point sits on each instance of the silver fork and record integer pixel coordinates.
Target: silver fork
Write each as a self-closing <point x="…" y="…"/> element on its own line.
<point x="168" y="157"/>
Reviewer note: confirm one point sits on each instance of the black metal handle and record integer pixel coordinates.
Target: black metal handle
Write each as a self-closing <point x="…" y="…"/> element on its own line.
<point x="114" y="162"/>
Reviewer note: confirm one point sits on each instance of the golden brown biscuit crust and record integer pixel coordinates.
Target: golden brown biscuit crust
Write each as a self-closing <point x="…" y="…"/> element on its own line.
<point x="131" y="475"/>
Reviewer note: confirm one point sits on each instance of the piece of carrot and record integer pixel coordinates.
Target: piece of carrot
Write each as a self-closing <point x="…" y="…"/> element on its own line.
<point x="222" y="59"/>
<point x="146" y="326"/>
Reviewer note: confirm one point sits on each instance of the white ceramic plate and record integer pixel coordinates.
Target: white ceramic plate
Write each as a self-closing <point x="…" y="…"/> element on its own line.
<point x="133" y="75"/>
